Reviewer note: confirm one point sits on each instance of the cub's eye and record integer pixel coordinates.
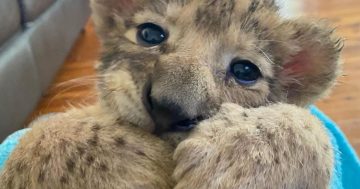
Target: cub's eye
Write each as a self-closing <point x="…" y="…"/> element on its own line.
<point x="245" y="72"/>
<point x="150" y="34"/>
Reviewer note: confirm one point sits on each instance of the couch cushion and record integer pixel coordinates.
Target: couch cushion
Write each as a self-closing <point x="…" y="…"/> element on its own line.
<point x="34" y="8"/>
<point x="19" y="86"/>
<point x="10" y="19"/>
<point x="52" y="36"/>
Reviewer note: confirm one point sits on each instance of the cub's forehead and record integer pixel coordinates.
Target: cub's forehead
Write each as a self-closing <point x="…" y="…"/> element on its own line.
<point x="210" y="14"/>
<point x="214" y="8"/>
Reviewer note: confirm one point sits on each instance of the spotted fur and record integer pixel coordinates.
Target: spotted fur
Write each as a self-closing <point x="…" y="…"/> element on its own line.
<point x="256" y="136"/>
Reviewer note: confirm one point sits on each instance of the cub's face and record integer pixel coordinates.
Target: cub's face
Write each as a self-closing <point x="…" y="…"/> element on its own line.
<point x="167" y="64"/>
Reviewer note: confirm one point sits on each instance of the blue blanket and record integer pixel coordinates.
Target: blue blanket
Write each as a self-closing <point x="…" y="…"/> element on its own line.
<point x="347" y="166"/>
<point x="346" y="171"/>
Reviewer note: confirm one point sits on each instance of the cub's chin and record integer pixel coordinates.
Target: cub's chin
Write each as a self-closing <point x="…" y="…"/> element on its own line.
<point x="174" y="138"/>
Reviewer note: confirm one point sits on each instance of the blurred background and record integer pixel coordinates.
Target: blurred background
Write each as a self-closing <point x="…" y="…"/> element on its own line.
<point x="69" y="77"/>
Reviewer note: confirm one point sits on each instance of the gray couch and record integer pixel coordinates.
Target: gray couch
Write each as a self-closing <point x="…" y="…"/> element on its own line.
<point x="35" y="38"/>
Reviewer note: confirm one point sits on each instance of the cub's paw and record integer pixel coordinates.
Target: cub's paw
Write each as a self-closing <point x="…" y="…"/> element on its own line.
<point x="66" y="153"/>
<point x="278" y="146"/>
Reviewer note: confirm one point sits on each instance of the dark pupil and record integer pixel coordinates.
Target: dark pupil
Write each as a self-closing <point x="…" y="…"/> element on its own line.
<point x="152" y="35"/>
<point x="245" y="71"/>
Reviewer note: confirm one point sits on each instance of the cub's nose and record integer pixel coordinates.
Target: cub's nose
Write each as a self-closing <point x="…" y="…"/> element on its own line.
<point x="170" y="116"/>
<point x="182" y="92"/>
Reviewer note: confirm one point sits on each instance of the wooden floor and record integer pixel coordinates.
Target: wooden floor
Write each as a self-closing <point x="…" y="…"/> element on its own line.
<point x="74" y="83"/>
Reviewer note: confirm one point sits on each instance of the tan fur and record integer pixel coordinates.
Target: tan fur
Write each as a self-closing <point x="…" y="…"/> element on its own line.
<point x="253" y="137"/>
<point x="87" y="148"/>
<point x="278" y="146"/>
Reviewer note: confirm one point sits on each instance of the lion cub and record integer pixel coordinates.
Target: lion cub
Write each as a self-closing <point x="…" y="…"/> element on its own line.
<point x="231" y="74"/>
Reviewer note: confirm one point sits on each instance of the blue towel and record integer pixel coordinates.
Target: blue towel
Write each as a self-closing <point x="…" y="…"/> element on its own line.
<point x="346" y="171"/>
<point x="9" y="145"/>
<point x="347" y="166"/>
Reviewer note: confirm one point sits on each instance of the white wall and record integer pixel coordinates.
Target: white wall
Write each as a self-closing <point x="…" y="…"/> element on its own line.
<point x="290" y="8"/>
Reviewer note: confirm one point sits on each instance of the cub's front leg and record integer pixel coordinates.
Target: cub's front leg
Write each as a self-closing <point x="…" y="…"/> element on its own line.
<point x="83" y="152"/>
<point x="279" y="146"/>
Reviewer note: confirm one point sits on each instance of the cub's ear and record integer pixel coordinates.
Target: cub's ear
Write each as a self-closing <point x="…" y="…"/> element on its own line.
<point x="109" y="14"/>
<point x="310" y="64"/>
